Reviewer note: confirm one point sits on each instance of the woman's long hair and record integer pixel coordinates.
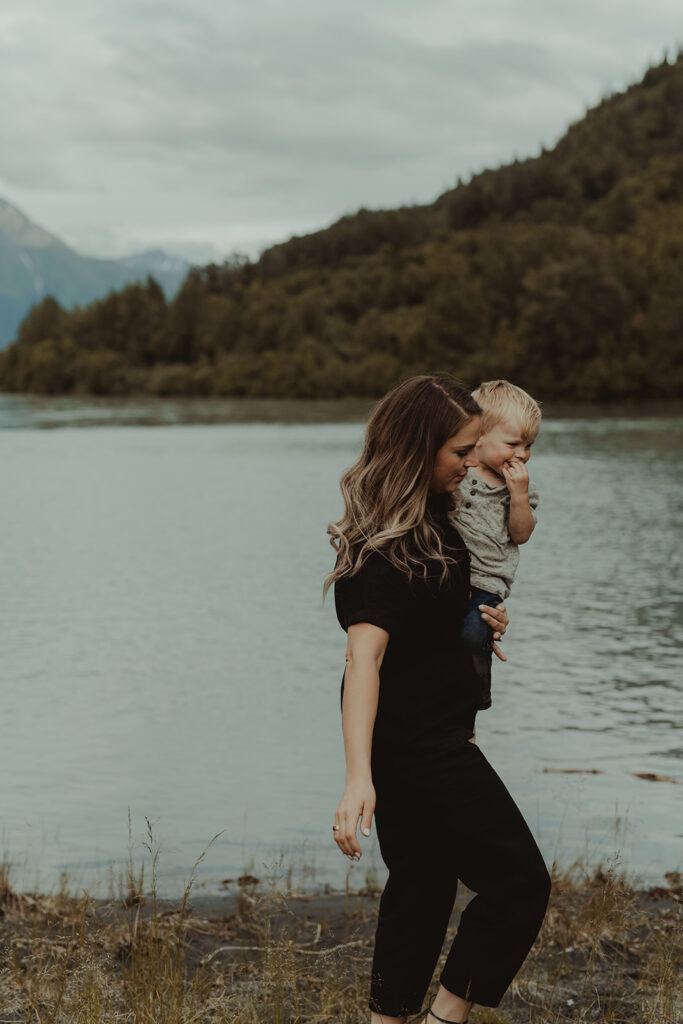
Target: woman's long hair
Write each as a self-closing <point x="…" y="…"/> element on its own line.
<point x="385" y="491"/>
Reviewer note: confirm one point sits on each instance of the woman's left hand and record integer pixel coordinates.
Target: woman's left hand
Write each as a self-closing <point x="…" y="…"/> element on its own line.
<point x="498" y="620"/>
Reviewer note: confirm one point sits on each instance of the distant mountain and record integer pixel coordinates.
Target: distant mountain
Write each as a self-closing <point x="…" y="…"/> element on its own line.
<point x="35" y="263"/>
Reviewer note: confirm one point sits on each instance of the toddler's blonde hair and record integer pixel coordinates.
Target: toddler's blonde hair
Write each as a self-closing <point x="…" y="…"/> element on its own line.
<point x="500" y="398"/>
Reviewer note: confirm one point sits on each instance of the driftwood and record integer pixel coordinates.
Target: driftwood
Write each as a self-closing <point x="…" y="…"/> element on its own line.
<point x="649" y="776"/>
<point x="653" y="777"/>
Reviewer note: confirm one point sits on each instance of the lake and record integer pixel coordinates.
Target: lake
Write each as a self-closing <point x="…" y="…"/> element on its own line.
<point x="165" y="649"/>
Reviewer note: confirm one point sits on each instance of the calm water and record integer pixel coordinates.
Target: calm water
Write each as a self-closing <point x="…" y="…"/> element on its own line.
<point x="165" y="649"/>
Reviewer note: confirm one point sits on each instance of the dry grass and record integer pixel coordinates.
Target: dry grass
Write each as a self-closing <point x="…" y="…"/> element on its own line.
<point x="607" y="953"/>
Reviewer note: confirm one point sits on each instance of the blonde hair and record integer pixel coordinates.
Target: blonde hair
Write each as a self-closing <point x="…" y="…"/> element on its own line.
<point x="499" y="398"/>
<point x="385" y="491"/>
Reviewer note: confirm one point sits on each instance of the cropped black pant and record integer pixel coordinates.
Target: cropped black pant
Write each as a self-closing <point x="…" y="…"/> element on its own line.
<point x="436" y="823"/>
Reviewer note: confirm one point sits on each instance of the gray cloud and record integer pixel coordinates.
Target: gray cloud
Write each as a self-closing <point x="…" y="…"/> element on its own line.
<point x="226" y="124"/>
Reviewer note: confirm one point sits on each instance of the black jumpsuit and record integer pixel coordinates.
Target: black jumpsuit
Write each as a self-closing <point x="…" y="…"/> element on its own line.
<point x="442" y="812"/>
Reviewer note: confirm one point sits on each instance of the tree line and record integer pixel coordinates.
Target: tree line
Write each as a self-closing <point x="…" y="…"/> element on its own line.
<point x="563" y="272"/>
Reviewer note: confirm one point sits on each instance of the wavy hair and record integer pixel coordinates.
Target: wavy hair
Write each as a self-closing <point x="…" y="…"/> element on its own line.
<point x="385" y="491"/>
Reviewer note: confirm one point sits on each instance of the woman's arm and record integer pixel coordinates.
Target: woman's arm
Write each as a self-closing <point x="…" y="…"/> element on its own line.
<point x="365" y="650"/>
<point x="497" y="618"/>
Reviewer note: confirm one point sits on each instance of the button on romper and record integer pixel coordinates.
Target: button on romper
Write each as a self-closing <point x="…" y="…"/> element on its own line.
<point x="442" y="812"/>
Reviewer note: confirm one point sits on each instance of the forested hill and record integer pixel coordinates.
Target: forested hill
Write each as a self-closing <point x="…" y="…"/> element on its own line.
<point x="563" y="272"/>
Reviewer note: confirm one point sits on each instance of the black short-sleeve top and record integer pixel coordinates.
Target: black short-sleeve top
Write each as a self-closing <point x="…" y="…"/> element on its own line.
<point x="427" y="690"/>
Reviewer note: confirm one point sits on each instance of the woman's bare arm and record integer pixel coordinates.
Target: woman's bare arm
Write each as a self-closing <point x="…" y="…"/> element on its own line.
<point x="365" y="650"/>
<point x="497" y="618"/>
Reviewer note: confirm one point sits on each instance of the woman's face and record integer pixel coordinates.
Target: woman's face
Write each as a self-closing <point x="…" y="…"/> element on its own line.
<point x="455" y="457"/>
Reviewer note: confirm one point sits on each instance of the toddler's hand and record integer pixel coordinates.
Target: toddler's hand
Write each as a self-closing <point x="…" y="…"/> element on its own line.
<point x="516" y="477"/>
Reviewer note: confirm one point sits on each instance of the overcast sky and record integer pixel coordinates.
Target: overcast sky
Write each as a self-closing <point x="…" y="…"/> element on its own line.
<point x="213" y="126"/>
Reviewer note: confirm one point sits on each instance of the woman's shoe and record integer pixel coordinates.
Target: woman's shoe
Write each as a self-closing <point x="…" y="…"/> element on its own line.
<point x="443" y="1020"/>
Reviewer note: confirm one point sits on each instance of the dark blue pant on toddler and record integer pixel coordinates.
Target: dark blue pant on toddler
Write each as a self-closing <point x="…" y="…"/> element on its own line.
<point x="477" y="635"/>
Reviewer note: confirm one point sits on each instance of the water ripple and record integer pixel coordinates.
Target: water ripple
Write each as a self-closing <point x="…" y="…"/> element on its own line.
<point x="165" y="648"/>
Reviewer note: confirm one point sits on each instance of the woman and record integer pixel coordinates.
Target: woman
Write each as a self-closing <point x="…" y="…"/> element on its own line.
<point x="408" y="707"/>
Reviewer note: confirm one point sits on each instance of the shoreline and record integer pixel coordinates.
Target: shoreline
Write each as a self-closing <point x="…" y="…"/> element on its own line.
<point x="606" y="952"/>
<point x="22" y="410"/>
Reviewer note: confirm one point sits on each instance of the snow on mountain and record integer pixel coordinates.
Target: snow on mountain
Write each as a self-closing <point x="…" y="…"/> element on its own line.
<point x="35" y="263"/>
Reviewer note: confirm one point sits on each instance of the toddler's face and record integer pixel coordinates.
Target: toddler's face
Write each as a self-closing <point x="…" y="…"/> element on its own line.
<point x="504" y="443"/>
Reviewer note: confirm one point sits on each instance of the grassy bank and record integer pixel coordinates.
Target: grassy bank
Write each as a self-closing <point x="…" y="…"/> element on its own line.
<point x="607" y="953"/>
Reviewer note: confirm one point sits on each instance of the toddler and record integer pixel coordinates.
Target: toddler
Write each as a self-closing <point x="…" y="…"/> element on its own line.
<point x="494" y="511"/>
